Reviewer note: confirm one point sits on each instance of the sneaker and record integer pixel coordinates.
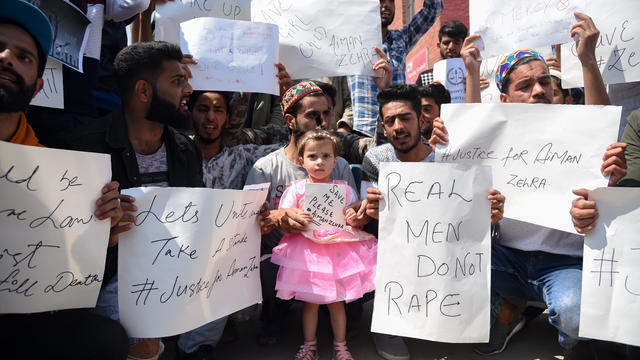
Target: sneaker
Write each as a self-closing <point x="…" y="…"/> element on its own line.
<point x="499" y="337"/>
<point x="340" y="351"/>
<point x="390" y="347"/>
<point x="308" y="351"/>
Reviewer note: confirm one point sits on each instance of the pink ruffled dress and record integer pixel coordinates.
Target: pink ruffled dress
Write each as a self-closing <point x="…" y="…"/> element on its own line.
<point x="323" y="267"/>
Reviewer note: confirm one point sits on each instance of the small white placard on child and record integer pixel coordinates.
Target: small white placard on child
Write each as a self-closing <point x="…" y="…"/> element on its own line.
<point x="326" y="203"/>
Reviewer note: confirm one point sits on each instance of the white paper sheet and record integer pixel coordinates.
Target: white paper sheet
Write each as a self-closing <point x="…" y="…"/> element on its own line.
<point x="69" y="25"/>
<point x="618" y="48"/>
<point x="538" y="152"/>
<point x="192" y="257"/>
<point x="325" y="203"/>
<point x="232" y="55"/>
<point x="451" y="73"/>
<point x="324" y="38"/>
<point x="521" y="24"/>
<point x="611" y="270"/>
<point x="52" y="249"/>
<point x="52" y="93"/>
<point x="169" y="16"/>
<point x="434" y="252"/>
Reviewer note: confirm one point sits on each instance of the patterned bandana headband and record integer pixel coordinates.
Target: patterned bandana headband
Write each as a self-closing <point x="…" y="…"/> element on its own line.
<point x="297" y="92"/>
<point x="510" y="60"/>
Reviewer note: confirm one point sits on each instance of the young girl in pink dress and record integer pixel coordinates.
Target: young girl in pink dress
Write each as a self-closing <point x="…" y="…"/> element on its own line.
<point x="324" y="266"/>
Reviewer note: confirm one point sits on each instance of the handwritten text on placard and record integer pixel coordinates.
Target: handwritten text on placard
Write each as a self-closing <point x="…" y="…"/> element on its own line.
<point x="617" y="49"/>
<point x="171" y="14"/>
<point x="611" y="274"/>
<point x="52" y="249"/>
<point x="325" y="203"/>
<point x="432" y="280"/>
<point x="538" y="152"/>
<point x="316" y="41"/>
<point x="52" y="93"/>
<point x="522" y="24"/>
<point x="232" y="55"/>
<point x="191" y="258"/>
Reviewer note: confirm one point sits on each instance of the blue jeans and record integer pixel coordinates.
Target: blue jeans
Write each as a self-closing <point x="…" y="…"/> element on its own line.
<point x="207" y="334"/>
<point x="539" y="276"/>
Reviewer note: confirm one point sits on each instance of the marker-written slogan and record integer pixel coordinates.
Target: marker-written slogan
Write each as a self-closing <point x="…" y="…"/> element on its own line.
<point x="192" y="257"/>
<point x="611" y="274"/>
<point x="170" y="14"/>
<point x="434" y="253"/>
<point x="537" y="152"/>
<point x="325" y="203"/>
<point x="316" y="40"/>
<point x="52" y="248"/>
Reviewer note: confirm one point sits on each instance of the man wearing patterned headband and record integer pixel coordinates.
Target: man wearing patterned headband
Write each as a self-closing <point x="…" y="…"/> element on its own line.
<point x="532" y="262"/>
<point x="305" y="108"/>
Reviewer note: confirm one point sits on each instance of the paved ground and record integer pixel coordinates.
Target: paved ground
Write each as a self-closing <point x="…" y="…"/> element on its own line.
<point x="538" y="340"/>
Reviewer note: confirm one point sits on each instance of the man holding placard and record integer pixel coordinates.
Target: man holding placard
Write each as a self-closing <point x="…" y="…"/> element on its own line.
<point x="145" y="150"/>
<point x="25" y="39"/>
<point x="396" y="44"/>
<point x="530" y="254"/>
<point x="399" y="109"/>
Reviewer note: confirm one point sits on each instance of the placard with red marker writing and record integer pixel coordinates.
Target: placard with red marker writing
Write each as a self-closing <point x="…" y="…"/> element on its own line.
<point x="611" y="270"/>
<point x="325" y="203"/>
<point x="192" y="257"/>
<point x="434" y="252"/>
<point x="538" y="152"/>
<point x="52" y="248"/>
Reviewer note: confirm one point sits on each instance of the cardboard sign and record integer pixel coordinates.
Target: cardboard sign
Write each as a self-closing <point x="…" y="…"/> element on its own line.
<point x="451" y="74"/>
<point x="52" y="93"/>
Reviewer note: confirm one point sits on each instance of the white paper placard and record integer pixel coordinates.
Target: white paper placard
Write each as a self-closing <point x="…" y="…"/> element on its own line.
<point x="451" y="73"/>
<point x="168" y="16"/>
<point x="232" y="55"/>
<point x="324" y="38"/>
<point x="611" y="268"/>
<point x="52" y="93"/>
<point x="52" y="249"/>
<point x="69" y="25"/>
<point x="434" y="252"/>
<point x="618" y="48"/>
<point x="325" y="203"/>
<point x="521" y="24"/>
<point x="192" y="257"/>
<point x="538" y="152"/>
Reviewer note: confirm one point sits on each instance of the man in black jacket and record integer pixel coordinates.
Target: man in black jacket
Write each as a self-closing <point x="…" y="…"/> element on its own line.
<point x="145" y="150"/>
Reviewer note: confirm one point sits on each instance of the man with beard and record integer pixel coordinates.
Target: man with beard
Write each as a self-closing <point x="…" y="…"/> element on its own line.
<point x="305" y="108"/>
<point x="396" y="44"/>
<point x="432" y="97"/>
<point x="145" y="150"/>
<point x="25" y="39"/>
<point x="531" y="262"/>
<point x="399" y="109"/>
